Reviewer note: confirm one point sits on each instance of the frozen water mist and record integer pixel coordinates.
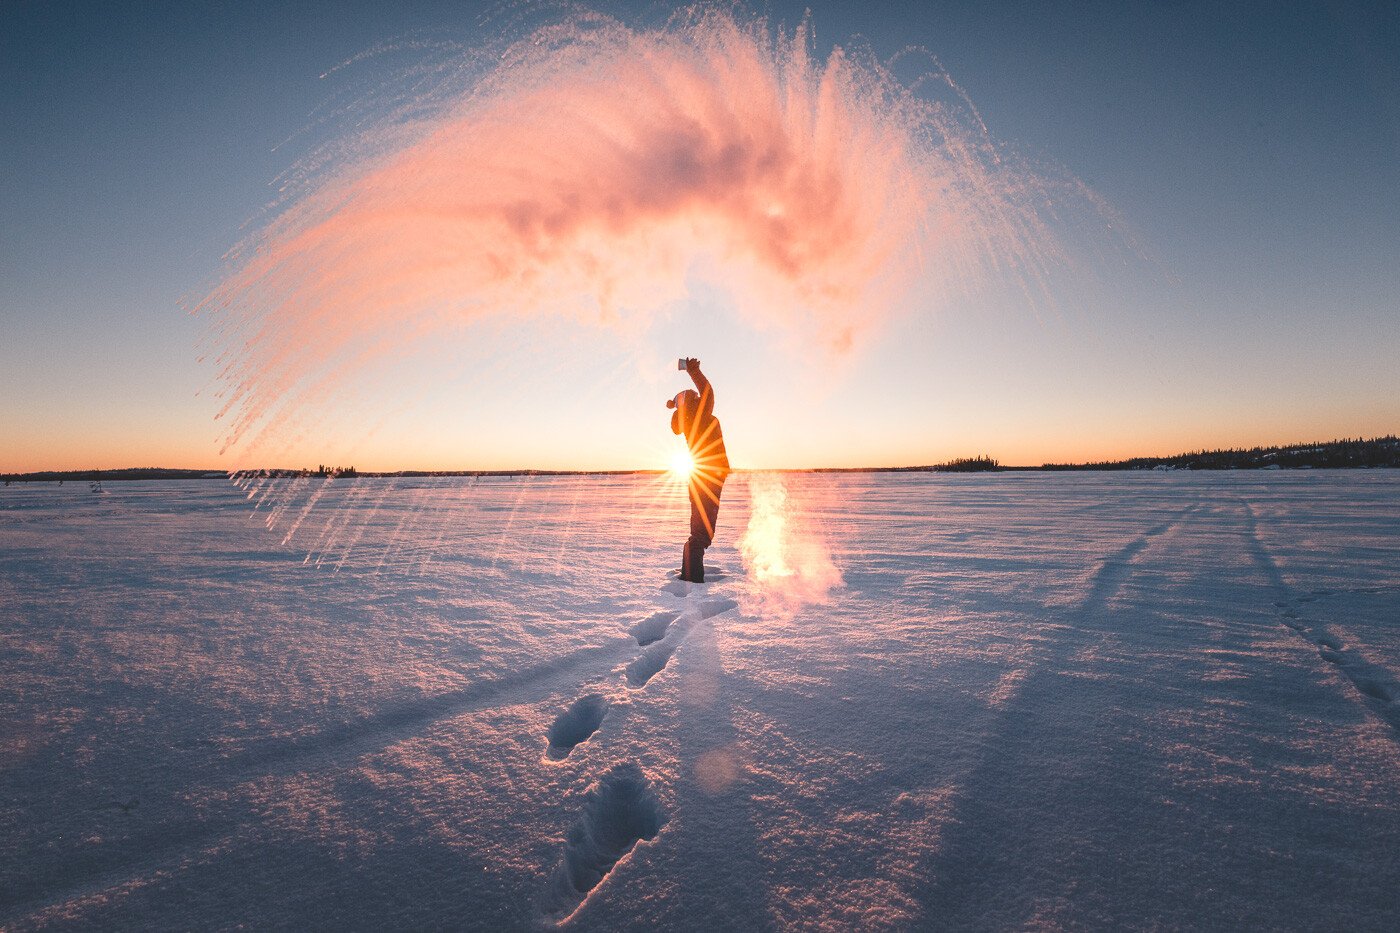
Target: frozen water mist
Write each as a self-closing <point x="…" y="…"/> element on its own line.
<point x="587" y="171"/>
<point x="786" y="555"/>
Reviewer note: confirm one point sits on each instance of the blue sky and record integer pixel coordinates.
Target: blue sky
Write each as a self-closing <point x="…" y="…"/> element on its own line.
<point x="1253" y="149"/>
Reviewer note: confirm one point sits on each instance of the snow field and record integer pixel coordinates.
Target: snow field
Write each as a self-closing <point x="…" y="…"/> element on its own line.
<point x="1024" y="700"/>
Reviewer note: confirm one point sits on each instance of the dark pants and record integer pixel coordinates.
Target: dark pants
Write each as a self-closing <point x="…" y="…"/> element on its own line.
<point x="704" y="514"/>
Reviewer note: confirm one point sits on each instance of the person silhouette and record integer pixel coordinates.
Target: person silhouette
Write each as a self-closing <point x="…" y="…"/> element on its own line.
<point x="694" y="417"/>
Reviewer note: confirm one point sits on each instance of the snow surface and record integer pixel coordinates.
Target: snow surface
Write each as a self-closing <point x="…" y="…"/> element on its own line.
<point x="909" y="701"/>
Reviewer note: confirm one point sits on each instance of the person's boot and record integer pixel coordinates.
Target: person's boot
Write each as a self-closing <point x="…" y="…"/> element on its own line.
<point x="693" y="563"/>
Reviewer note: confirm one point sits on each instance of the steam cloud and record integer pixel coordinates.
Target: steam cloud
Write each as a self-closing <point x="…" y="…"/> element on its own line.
<point x="786" y="556"/>
<point x="593" y="166"/>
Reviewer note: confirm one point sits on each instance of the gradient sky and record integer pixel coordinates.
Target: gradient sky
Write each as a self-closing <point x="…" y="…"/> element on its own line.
<point x="1253" y="150"/>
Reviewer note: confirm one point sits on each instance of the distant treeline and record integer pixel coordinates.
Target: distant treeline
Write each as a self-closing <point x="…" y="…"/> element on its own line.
<point x="983" y="464"/>
<point x="321" y="470"/>
<point x="89" y="476"/>
<point x="960" y="465"/>
<point x="1336" y="454"/>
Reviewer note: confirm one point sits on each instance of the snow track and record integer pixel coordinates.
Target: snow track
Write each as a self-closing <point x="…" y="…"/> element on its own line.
<point x="620" y="810"/>
<point x="1378" y="685"/>
<point x="373" y="732"/>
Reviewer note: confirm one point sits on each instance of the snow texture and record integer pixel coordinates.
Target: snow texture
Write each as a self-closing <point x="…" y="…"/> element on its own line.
<point x="912" y="701"/>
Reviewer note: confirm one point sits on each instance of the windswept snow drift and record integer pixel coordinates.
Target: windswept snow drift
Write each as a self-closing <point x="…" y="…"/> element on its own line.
<point x="1026" y="700"/>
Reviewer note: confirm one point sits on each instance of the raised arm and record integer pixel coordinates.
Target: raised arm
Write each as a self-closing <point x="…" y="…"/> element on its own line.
<point x="702" y="385"/>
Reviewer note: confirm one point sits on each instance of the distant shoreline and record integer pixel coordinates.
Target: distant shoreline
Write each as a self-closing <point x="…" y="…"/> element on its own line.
<point x="1367" y="453"/>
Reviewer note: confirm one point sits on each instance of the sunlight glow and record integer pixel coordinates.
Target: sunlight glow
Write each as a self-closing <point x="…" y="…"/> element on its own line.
<point x="682" y="463"/>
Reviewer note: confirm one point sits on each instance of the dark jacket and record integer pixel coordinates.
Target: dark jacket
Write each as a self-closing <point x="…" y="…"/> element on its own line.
<point x="695" y="418"/>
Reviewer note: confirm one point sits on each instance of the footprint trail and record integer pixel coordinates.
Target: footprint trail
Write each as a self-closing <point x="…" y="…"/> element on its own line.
<point x="657" y="654"/>
<point x="621" y="810"/>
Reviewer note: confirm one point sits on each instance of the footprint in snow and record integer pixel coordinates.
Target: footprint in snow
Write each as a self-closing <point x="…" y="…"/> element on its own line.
<point x="618" y="812"/>
<point x="576" y="725"/>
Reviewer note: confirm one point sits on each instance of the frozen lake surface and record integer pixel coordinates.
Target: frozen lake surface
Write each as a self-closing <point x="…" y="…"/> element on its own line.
<point x="1006" y="701"/>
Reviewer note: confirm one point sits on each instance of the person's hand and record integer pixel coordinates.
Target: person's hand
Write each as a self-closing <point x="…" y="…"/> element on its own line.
<point x="692" y="365"/>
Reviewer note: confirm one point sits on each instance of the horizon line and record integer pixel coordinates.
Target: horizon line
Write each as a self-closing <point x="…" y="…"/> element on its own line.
<point x="537" y="471"/>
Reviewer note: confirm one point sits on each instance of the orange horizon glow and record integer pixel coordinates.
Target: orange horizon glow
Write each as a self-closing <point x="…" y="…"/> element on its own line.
<point x="71" y="455"/>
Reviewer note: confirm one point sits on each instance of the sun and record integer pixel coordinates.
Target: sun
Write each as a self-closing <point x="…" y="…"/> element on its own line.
<point x="682" y="463"/>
